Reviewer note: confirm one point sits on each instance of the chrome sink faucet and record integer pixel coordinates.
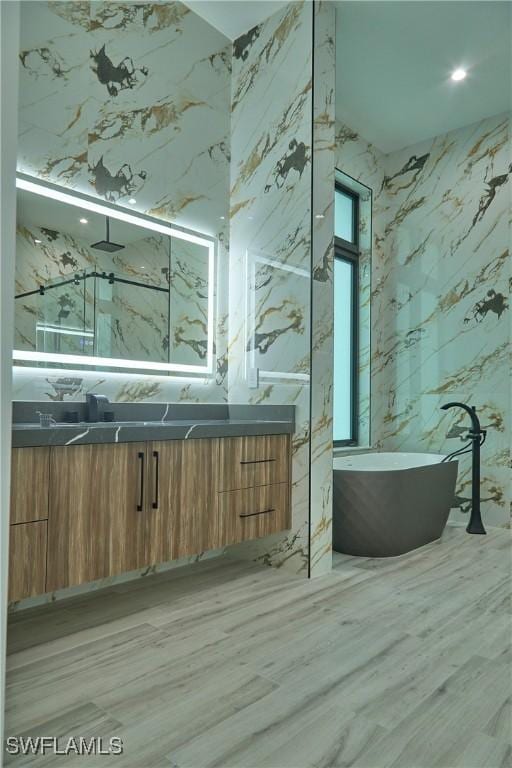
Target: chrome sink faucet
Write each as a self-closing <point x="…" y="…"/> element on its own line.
<point x="93" y="401"/>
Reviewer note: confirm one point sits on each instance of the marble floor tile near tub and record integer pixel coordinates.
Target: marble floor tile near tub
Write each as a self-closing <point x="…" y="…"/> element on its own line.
<point x="396" y="663"/>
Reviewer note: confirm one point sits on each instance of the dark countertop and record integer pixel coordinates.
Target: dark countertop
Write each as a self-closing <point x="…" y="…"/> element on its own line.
<point x="227" y="421"/>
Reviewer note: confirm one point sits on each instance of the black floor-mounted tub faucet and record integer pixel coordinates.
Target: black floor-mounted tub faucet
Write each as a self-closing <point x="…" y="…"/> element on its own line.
<point x="476" y="436"/>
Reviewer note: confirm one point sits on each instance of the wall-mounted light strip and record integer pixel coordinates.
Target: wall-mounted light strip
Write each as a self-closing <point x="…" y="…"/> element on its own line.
<point x="86" y="203"/>
<point x="63" y="331"/>
<point x="24" y="371"/>
<point x="107" y="362"/>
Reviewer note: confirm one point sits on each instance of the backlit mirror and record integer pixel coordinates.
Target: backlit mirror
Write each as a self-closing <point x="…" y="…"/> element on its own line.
<point x="100" y="286"/>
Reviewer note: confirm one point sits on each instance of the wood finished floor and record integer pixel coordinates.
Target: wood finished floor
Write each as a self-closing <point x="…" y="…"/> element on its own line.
<point x="398" y="663"/>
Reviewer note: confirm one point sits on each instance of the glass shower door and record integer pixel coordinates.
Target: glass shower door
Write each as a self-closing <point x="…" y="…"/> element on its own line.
<point x="132" y="320"/>
<point x="65" y="323"/>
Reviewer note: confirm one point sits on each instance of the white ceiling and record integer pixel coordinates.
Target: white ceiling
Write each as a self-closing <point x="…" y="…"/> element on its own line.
<point x="394" y="59"/>
<point x="393" y="65"/>
<point x="234" y="17"/>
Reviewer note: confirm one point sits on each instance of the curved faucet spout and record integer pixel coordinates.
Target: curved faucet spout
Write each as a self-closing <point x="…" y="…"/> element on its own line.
<point x="470" y="410"/>
<point x="475" y="524"/>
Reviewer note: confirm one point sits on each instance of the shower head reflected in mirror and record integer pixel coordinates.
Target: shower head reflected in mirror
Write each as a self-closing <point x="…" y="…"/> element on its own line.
<point x="107" y="245"/>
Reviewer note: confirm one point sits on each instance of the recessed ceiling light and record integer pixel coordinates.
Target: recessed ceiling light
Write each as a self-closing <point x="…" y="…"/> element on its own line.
<point x="222" y="218"/>
<point x="132" y="201"/>
<point x="319" y="216"/>
<point x="84" y="221"/>
<point x="459" y="74"/>
<point x="36" y="240"/>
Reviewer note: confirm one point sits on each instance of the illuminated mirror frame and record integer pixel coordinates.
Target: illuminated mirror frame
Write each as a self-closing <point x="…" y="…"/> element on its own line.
<point x="87" y="203"/>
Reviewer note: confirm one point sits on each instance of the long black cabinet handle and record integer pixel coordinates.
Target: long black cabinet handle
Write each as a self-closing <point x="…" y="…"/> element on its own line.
<point x="140" y="456"/>
<point x="263" y="512"/>
<point x="157" y="467"/>
<point x="256" y="461"/>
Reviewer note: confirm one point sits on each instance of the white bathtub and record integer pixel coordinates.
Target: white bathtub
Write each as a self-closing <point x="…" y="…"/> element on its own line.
<point x="385" y="504"/>
<point x="379" y="462"/>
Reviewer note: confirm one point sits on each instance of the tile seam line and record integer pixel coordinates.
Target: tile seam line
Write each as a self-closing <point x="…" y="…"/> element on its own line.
<point x="311" y="292"/>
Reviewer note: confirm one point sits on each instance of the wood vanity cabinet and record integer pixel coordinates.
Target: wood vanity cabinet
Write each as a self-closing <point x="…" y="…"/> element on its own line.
<point x="116" y="508"/>
<point x="247" y="462"/>
<point x="253" y="487"/>
<point x="27" y="559"/>
<point x="96" y="522"/>
<point x="30" y="480"/>
<point x="182" y="497"/>
<point x="251" y="513"/>
<point x="87" y="512"/>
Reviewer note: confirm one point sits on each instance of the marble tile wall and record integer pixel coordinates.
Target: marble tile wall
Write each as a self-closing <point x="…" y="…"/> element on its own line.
<point x="322" y="291"/>
<point x="441" y="297"/>
<point x="105" y="71"/>
<point x="270" y="244"/>
<point x="188" y="338"/>
<point x="281" y="256"/>
<point x="132" y="100"/>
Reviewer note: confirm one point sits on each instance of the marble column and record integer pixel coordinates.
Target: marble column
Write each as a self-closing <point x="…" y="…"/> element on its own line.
<point x="322" y="288"/>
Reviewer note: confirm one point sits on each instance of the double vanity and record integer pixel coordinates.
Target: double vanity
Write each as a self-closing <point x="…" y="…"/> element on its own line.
<point x="160" y="482"/>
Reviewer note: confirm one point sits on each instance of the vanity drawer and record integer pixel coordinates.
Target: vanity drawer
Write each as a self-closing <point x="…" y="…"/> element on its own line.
<point x="253" y="512"/>
<point x="248" y="462"/>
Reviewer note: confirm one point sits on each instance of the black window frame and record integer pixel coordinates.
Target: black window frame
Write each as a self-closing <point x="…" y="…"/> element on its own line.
<point x="344" y="250"/>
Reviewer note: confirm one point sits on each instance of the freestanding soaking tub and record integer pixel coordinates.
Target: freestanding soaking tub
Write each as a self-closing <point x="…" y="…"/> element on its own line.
<point x="386" y="504"/>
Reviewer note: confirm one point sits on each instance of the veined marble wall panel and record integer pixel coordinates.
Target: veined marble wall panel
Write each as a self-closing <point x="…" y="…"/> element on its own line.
<point x="125" y="100"/>
<point x="128" y="99"/>
<point x="56" y="385"/>
<point x="188" y="303"/>
<point x="56" y="106"/>
<point x="322" y="309"/>
<point x="441" y="297"/>
<point x="270" y="243"/>
<point x="447" y="281"/>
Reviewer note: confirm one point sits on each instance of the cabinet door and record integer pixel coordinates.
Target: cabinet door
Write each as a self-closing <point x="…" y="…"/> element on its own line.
<point x="29" y="484"/>
<point x="182" y="498"/>
<point x="96" y="511"/>
<point x="27" y="559"/>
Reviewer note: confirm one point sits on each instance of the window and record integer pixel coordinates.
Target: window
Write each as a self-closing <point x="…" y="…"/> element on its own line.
<point x="346" y="281"/>
<point x="345" y="215"/>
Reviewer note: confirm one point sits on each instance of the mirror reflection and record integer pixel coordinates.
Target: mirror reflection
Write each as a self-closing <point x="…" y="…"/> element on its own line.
<point x="92" y="285"/>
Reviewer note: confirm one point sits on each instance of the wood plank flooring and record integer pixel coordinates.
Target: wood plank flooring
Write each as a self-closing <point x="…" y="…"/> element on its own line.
<point x="397" y="663"/>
